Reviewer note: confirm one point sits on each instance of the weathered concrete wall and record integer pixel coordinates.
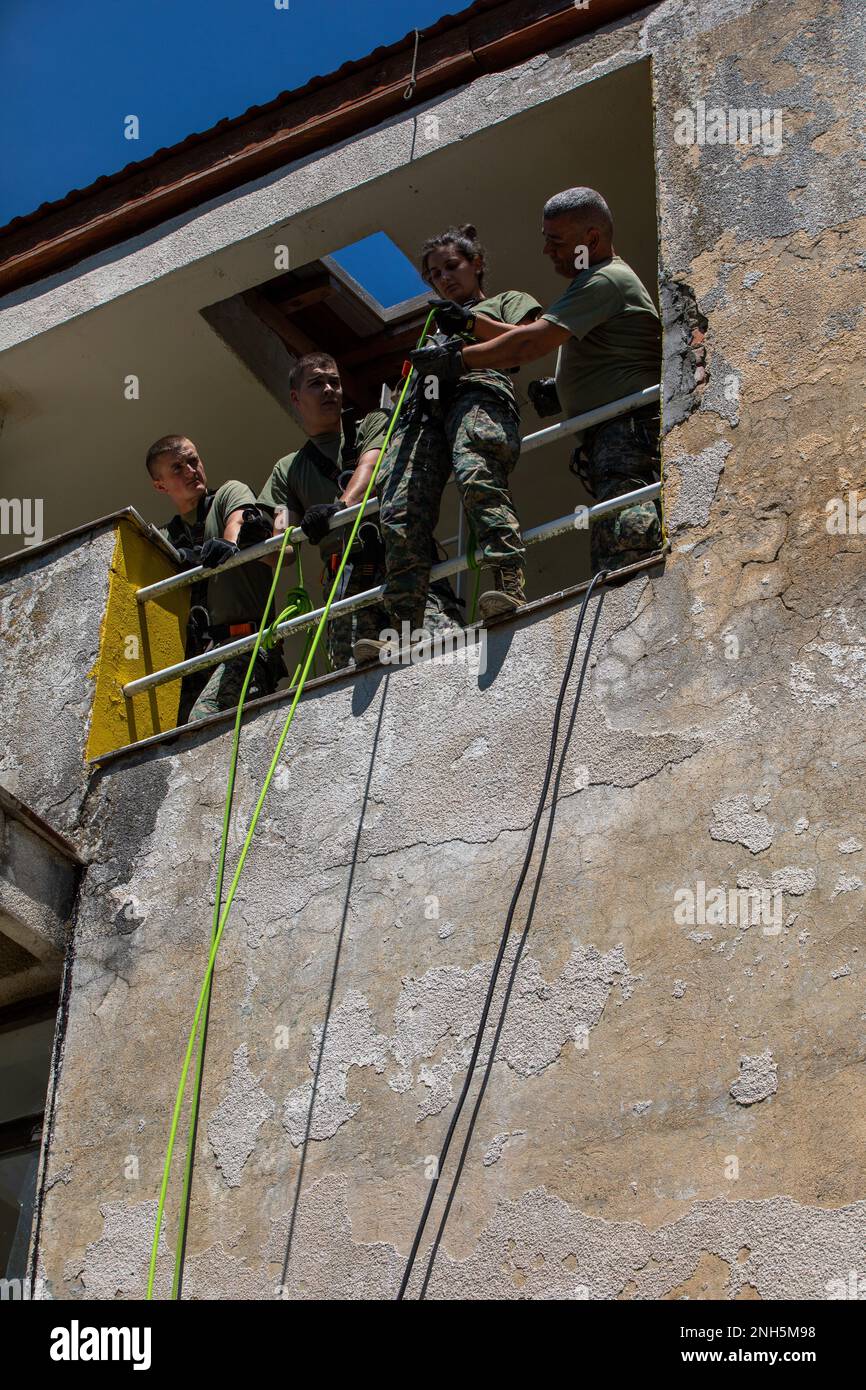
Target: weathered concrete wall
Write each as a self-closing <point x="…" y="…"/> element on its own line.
<point x="51" y="610"/>
<point x="678" y="1107"/>
<point x="73" y="635"/>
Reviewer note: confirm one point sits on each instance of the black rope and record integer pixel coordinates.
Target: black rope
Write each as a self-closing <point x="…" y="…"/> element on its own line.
<point x="497" y="964"/>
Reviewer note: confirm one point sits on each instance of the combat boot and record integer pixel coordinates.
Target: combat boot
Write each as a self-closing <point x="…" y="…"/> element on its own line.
<point x="368" y="649"/>
<point x="506" y="596"/>
<point x="405" y="646"/>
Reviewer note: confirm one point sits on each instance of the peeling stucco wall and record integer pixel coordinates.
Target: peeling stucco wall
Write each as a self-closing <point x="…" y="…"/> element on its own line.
<point x="678" y="1101"/>
<point x="51" y="609"/>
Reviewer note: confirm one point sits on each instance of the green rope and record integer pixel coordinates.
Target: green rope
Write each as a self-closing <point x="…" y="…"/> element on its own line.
<point x="299" y="602"/>
<point x="219" y="928"/>
<point x="230" y="790"/>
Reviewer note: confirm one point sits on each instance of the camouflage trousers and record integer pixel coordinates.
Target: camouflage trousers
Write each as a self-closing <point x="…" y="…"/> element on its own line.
<point x="618" y="457"/>
<point x="478" y="435"/>
<point x="441" y="613"/>
<point x="223" y="688"/>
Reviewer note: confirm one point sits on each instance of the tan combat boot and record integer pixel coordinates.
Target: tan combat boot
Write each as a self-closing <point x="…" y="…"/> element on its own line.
<point x="410" y="641"/>
<point x="368" y="649"/>
<point x="506" y="596"/>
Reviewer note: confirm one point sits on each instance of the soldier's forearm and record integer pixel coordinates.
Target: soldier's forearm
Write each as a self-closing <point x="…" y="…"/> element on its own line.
<point x="487" y="329"/>
<point x="525" y="343"/>
<point x="357" y="484"/>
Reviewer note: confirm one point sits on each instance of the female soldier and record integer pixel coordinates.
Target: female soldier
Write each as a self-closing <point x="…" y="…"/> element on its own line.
<point x="473" y="426"/>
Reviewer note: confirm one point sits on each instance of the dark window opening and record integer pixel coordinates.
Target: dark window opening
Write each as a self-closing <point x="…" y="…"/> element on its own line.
<point x="26" y="1046"/>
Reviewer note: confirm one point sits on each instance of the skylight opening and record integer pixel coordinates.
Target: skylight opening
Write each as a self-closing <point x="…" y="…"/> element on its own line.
<point x="381" y="269"/>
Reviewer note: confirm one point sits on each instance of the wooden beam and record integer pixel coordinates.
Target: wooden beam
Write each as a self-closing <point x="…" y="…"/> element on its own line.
<point x="383" y="344"/>
<point x="294" y="337"/>
<point x="299" y="343"/>
<point x="314" y="295"/>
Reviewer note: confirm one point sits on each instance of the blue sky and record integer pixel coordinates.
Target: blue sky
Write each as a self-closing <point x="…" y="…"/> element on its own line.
<point x="382" y="269"/>
<point x="74" y="69"/>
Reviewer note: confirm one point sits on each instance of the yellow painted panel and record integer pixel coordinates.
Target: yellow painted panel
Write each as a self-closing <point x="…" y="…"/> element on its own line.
<point x="135" y="640"/>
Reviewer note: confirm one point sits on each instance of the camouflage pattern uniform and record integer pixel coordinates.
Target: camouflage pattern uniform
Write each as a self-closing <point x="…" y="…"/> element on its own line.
<point x="317" y="473"/>
<point x="477" y="433"/>
<point x="441" y="611"/>
<point x="342" y="633"/>
<point x="473" y="428"/>
<point x="617" y="457"/>
<point x="223" y="688"/>
<point x="614" y="350"/>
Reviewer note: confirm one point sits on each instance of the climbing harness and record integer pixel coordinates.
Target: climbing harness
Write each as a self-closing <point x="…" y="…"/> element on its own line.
<point x="221" y="913"/>
<point x="506" y="931"/>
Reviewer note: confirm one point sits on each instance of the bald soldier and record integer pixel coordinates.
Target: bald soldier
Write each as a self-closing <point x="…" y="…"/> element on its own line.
<point x="607" y="332"/>
<point x="328" y="473"/>
<point x="208" y="529"/>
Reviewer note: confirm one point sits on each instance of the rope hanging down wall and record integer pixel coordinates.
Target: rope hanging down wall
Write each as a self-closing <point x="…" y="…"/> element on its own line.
<point x="497" y="964"/>
<point x="196" y="1042"/>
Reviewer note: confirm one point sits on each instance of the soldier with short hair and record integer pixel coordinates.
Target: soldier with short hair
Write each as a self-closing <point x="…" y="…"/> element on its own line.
<point x="328" y="473"/>
<point x="209" y="528"/>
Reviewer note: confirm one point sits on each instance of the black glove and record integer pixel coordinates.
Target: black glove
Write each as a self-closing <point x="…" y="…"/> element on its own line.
<point x="216" y="551"/>
<point x="315" y="523"/>
<point x="190" y="556"/>
<point x="544" y="396"/>
<point x="453" y="318"/>
<point x="444" y="361"/>
<point x="255" y="528"/>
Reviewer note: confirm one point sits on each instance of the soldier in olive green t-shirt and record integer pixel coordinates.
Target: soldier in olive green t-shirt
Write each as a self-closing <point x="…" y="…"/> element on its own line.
<point x="614" y="342"/>
<point x="208" y="529"/>
<point x="330" y="472"/>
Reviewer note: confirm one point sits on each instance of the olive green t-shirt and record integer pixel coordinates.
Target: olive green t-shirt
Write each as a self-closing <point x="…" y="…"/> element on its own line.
<point x="239" y="595"/>
<point x="615" y="343"/>
<point x="309" y="476"/>
<point x="511" y="306"/>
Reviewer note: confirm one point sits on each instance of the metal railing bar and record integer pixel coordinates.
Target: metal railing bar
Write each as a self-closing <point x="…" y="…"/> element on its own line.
<point x="253" y="552"/>
<point x="586" y="421"/>
<point x="536" y="534"/>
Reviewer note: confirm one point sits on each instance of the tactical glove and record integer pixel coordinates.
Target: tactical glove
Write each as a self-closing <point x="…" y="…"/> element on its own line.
<point x="255" y="528"/>
<point x="544" y="396"/>
<point x="190" y="556"/>
<point x="315" y="522"/>
<point x="453" y="318"/>
<point x="216" y="551"/>
<point x="444" y="361"/>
